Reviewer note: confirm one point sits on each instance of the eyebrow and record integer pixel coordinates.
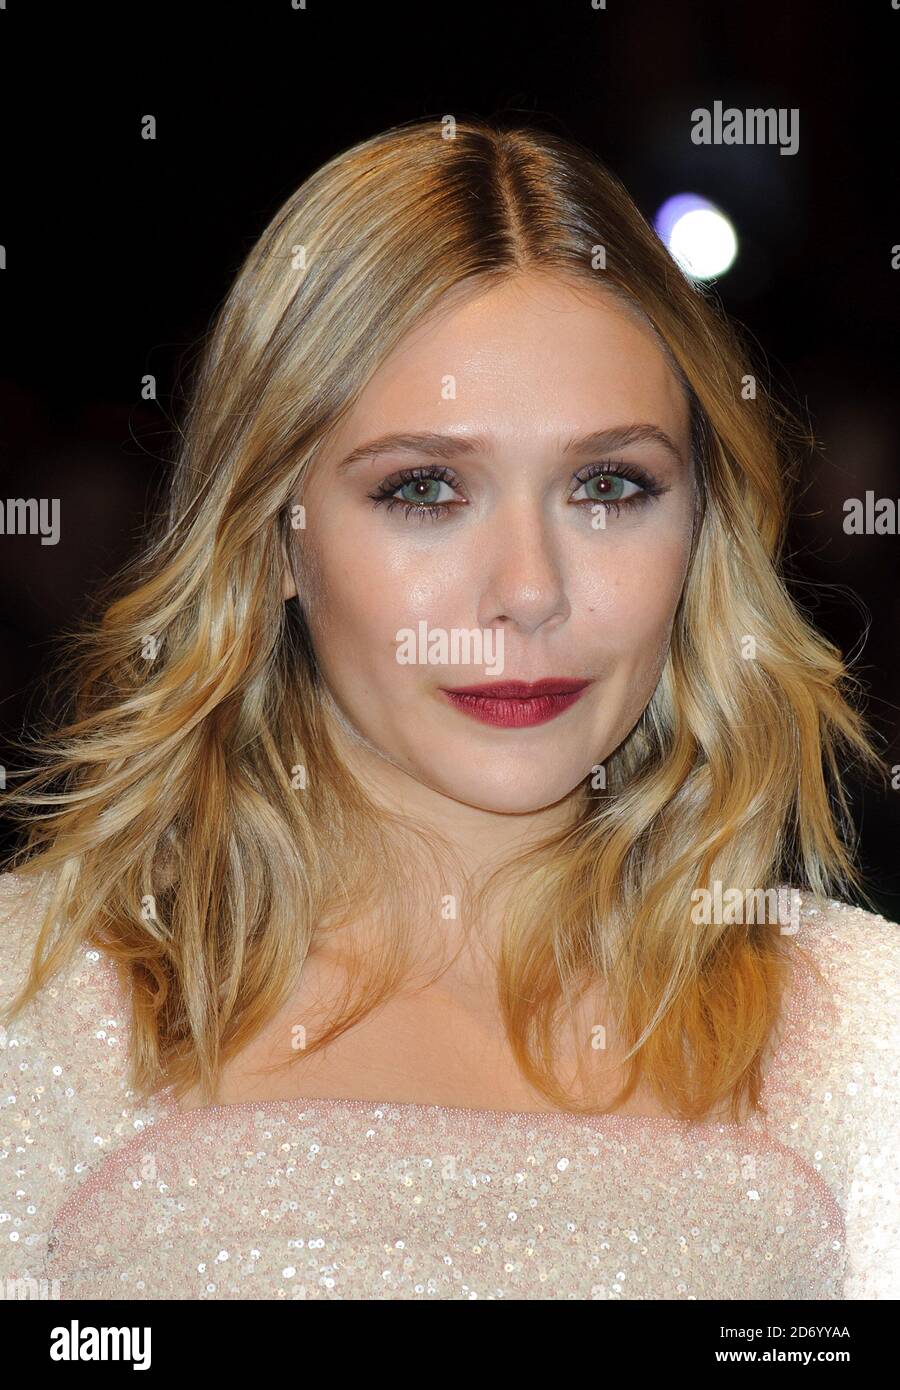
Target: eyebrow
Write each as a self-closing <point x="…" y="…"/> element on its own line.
<point x="447" y="446"/>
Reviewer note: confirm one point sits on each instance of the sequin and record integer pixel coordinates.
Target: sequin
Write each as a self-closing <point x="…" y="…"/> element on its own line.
<point x="353" y="1199"/>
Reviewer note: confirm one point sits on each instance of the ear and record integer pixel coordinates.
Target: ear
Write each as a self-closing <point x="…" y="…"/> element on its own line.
<point x="288" y="587"/>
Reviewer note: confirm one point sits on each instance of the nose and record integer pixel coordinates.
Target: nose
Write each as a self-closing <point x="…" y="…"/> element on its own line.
<point x="524" y="574"/>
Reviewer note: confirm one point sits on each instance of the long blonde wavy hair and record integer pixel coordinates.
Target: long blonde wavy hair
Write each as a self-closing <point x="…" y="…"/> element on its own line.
<point x="196" y="695"/>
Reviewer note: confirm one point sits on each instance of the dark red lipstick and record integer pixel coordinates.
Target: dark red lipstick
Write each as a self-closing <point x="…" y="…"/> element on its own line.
<point x="517" y="704"/>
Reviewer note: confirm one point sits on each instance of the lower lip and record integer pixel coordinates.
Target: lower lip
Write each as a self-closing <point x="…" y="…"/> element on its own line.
<point x="513" y="714"/>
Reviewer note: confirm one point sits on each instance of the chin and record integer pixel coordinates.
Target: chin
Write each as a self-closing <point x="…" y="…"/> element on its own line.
<point x="509" y="798"/>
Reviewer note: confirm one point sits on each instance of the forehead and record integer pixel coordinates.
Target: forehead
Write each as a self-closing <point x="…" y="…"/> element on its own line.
<point x="535" y="352"/>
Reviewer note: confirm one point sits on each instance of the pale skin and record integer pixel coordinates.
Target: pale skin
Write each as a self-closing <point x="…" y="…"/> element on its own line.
<point x="536" y="363"/>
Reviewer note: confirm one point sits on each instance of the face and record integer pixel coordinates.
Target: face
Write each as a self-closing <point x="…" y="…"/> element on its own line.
<point x="508" y="544"/>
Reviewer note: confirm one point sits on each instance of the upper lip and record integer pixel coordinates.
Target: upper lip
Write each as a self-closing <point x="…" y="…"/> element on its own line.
<point x="522" y="690"/>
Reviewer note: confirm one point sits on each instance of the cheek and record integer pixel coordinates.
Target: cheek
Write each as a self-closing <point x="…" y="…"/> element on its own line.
<point x="381" y="584"/>
<point x="366" y="593"/>
<point x="629" y="596"/>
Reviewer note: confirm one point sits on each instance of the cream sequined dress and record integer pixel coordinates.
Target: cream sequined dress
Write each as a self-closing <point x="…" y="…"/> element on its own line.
<point x="360" y="1200"/>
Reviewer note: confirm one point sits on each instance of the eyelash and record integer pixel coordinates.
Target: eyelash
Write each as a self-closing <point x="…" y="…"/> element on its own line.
<point x="383" y="496"/>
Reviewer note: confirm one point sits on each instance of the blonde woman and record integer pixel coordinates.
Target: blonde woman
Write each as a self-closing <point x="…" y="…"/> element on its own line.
<point x="439" y="890"/>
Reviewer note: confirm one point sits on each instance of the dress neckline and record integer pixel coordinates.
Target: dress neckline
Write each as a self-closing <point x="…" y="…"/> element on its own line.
<point x="357" y="1105"/>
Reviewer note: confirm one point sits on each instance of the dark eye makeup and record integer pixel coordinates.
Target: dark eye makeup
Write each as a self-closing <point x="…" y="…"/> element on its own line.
<point x="612" y="474"/>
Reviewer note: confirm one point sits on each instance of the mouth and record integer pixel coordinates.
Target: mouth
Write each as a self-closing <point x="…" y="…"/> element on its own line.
<point x="517" y="704"/>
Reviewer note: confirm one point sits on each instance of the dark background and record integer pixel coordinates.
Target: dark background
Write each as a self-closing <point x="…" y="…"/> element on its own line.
<point x="119" y="250"/>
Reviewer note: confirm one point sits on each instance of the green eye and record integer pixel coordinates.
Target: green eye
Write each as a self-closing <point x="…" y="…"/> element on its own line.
<point x="425" y="491"/>
<point x="419" y="493"/>
<point x="432" y="493"/>
<point x="610" y="488"/>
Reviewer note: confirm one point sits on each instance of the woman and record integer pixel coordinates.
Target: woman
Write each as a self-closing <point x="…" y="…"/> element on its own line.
<point x="411" y="911"/>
